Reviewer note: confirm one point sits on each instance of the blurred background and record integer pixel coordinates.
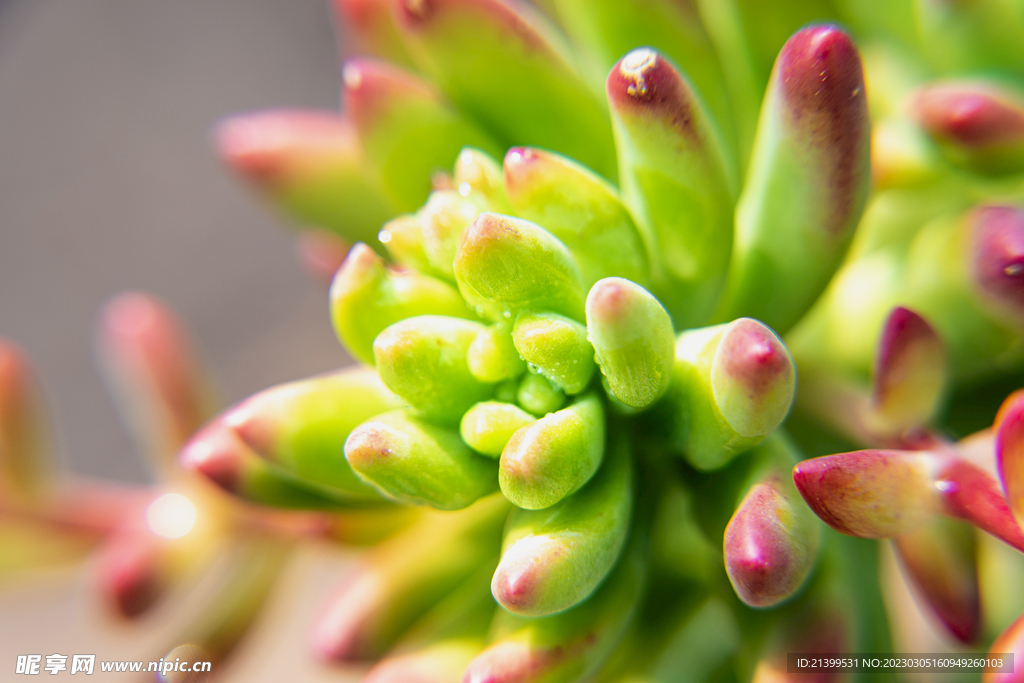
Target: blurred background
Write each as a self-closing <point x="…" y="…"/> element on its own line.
<point x="108" y="182"/>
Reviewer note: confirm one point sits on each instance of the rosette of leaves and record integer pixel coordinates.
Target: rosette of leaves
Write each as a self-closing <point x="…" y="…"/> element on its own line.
<point x="593" y="327"/>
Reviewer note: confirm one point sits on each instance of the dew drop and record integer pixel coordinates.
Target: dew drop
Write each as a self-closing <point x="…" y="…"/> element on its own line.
<point x="465" y="189"/>
<point x="1014" y="269"/>
<point x="384" y="236"/>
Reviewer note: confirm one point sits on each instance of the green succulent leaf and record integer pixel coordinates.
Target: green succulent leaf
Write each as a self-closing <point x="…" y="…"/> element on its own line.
<point x="676" y="181"/>
<point x="556" y="557"/>
<point x="733" y="385"/>
<point x="367" y="296"/>
<point x="632" y="334"/>
<point x="548" y="459"/>
<point x="538" y="395"/>
<point x="579" y="208"/>
<point x="520" y="80"/>
<point x="301" y="426"/>
<point x="423" y="360"/>
<point x="807" y="183"/>
<point x="416" y="462"/>
<point x="488" y="426"/>
<point x="406" y="129"/>
<point x="556" y="347"/>
<point x="504" y="265"/>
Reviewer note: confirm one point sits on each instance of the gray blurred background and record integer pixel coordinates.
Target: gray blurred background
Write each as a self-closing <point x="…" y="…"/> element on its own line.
<point x="108" y="182"/>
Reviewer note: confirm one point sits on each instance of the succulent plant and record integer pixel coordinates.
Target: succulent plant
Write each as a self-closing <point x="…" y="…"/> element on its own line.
<point x="673" y="272"/>
<point x="640" y="294"/>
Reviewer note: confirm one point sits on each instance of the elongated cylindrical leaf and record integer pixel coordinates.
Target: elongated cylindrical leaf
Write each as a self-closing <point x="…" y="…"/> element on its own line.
<point x="301" y="426"/>
<point x="771" y="542"/>
<point x="161" y="390"/>
<point x="492" y="357"/>
<point x="478" y="177"/>
<point x="607" y="29"/>
<point x="423" y="360"/>
<point x="579" y="208"/>
<point x="973" y="495"/>
<point x="219" y="454"/>
<point x="546" y="460"/>
<point x="1009" y="451"/>
<point x="505" y="265"/>
<point x="556" y="557"/>
<point x="940" y="560"/>
<point x="977" y="124"/>
<point x="909" y="374"/>
<point x="417" y="462"/>
<point x="808" y="180"/>
<point x="674" y="180"/>
<point x="871" y="494"/>
<point x="556" y="347"/>
<point x="734" y="385"/>
<point x="311" y="165"/>
<point x="26" y="467"/>
<point x="538" y="395"/>
<point x="403" y="577"/>
<point x="882" y="494"/>
<point x="632" y="335"/>
<point x="443" y="219"/>
<point x="366" y="297"/>
<point x="405" y="128"/>
<point x="370" y="24"/>
<point x="402" y="237"/>
<point x="488" y="426"/>
<point x="519" y="83"/>
<point x="569" y="646"/>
